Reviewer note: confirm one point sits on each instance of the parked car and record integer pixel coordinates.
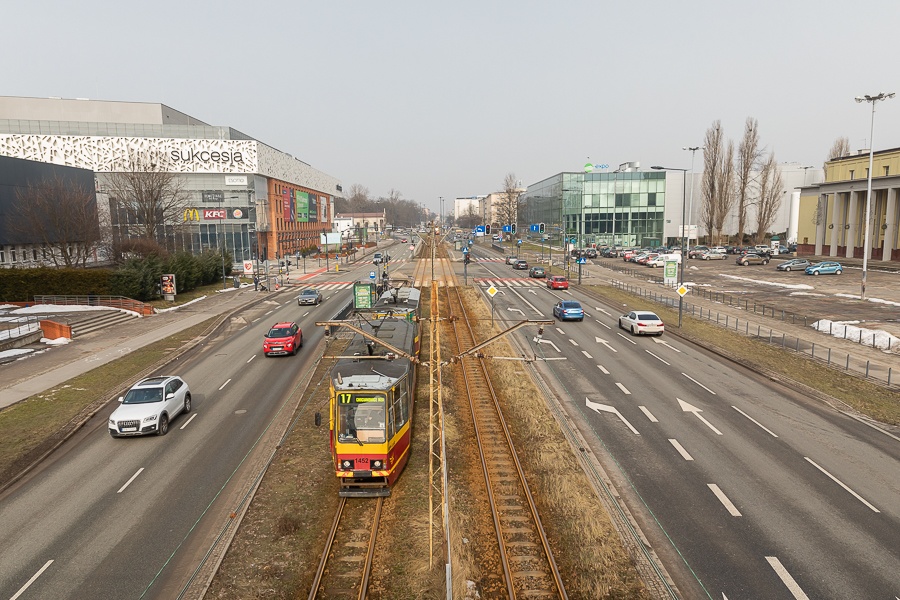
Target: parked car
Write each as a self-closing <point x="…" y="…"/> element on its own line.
<point x="640" y="322"/>
<point x="795" y="264"/>
<point x="696" y="251"/>
<point x="149" y="406"/>
<point x="283" y="338"/>
<point x="511" y="260"/>
<point x="590" y="252"/>
<point x="826" y="267"/>
<point x="662" y="259"/>
<point x="713" y="255"/>
<point x="565" y="310"/>
<point x="763" y="248"/>
<point x="643" y="260"/>
<point x="752" y="258"/>
<point x="537" y="272"/>
<point x="557" y="282"/>
<point x="309" y="296"/>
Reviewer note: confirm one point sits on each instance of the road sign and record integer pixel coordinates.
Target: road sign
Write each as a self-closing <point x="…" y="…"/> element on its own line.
<point x="582" y="261"/>
<point x="492" y="291"/>
<point x="682" y="291"/>
<point x="465" y="250"/>
<point x="507" y="229"/>
<point x="535" y="227"/>
<point x="479" y="229"/>
<point x="470" y="242"/>
<point x="572" y="241"/>
<point x="519" y="243"/>
<point x="371" y="274"/>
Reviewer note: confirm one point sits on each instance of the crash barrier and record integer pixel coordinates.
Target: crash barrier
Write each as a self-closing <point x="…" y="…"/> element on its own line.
<point x="837" y="359"/>
<point x="98" y="300"/>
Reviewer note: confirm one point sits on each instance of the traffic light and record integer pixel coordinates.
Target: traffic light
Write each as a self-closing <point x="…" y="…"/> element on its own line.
<point x="541" y="228"/>
<point x="512" y="228"/>
<point x="487" y="229"/>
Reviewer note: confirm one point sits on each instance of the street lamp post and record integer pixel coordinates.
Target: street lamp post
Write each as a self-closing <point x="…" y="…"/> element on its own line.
<point x="872" y="100"/>
<point x="683" y="242"/>
<point x="224" y="242"/>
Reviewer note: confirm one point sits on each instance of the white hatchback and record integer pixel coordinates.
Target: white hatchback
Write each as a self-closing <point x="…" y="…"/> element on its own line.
<point x="150" y="406"/>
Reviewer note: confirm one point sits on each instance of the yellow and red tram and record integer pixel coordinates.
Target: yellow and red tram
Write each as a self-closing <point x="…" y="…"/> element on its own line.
<point x="371" y="407"/>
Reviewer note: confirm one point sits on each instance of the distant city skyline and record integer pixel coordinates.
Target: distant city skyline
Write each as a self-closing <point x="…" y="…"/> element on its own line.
<point x="445" y="100"/>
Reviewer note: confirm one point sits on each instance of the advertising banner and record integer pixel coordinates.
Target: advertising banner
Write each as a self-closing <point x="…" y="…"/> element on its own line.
<point x="248" y="267"/>
<point x="168" y="285"/>
<point x="302" y="207"/>
<point x="670" y="273"/>
<point x="286" y="206"/>
<point x="214" y="213"/>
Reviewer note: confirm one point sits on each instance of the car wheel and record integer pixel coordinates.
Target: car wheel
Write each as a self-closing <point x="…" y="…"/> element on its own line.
<point x="765" y="262"/>
<point x="187" y="403"/>
<point x="633" y="332"/>
<point x="744" y="263"/>
<point x="163" y="427"/>
<point x="788" y="269"/>
<point x="815" y="273"/>
<point x="838" y="272"/>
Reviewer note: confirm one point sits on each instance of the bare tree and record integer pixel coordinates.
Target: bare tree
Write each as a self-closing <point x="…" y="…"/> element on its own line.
<point x="747" y="162"/>
<point x="840" y="147"/>
<point x="62" y="216"/>
<point x="508" y="207"/>
<point x="771" y="189"/>
<point x="151" y="198"/>
<point x="712" y="166"/>
<point x="725" y="189"/>
<point x="470" y="218"/>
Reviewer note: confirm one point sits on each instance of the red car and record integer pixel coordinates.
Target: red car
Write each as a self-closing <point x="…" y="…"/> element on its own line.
<point x="283" y="338"/>
<point x="557" y="282"/>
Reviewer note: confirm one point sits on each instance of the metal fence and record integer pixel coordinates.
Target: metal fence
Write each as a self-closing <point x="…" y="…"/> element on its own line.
<point x="14" y="326"/>
<point x="838" y="359"/>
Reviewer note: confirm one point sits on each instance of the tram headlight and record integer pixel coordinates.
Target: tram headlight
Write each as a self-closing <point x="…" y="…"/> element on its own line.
<point x="377" y="464"/>
<point x="347" y="464"/>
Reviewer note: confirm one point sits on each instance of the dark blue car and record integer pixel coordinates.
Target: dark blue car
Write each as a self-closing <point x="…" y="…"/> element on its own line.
<point x="565" y="310"/>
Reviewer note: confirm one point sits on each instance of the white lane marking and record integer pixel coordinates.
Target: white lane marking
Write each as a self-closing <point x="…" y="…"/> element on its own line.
<point x="224" y="384"/>
<point x="603" y="311"/>
<point x="127" y="483"/>
<point x="657" y="358"/>
<point x="700" y="384"/>
<point x="561" y="332"/>
<point x="602" y="368"/>
<point x="574" y="343"/>
<point x="732" y="509"/>
<point x="840" y="483"/>
<point x="623" y="388"/>
<point x="649" y="414"/>
<point x="875" y="427"/>
<point x="532" y="306"/>
<point x="786" y="578"/>
<point x="763" y="427"/>
<point x="691" y="408"/>
<point x="594" y="406"/>
<point x="306" y="314"/>
<point x="286" y="303"/>
<point x="188" y="422"/>
<point x="251" y="358"/>
<point x="684" y="453"/>
<point x="586" y="354"/>
<point x="32" y="580"/>
<point x="604" y="324"/>
<point x="270" y="312"/>
<point x="256" y="319"/>
<point x="630" y="341"/>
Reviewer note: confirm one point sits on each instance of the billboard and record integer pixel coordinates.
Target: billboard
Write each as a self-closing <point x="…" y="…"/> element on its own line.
<point x="302" y="207"/>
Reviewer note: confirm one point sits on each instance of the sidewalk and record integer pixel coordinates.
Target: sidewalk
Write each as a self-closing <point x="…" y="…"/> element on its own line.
<point x="57" y="364"/>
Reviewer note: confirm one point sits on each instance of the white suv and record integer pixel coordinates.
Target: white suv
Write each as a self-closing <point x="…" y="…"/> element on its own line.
<point x="149" y="406"/>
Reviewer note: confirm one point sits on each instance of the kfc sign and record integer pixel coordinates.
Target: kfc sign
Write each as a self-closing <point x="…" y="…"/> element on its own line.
<point x="213" y="213"/>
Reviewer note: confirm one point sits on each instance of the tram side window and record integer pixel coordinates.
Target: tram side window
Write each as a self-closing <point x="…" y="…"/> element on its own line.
<point x="400" y="408"/>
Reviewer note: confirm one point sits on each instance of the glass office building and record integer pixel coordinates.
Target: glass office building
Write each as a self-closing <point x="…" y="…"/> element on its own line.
<point x="623" y="208"/>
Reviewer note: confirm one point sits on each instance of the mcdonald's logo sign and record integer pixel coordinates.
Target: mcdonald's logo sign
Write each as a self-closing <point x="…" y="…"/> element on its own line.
<point x="191" y="214"/>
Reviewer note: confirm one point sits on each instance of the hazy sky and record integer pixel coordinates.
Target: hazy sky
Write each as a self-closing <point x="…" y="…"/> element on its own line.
<point x="444" y="99"/>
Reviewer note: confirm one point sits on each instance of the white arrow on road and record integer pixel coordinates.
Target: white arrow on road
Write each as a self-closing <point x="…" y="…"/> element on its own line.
<point x="665" y="343"/>
<point x="532" y="292"/>
<point x="605" y="343"/>
<point x="691" y="408"/>
<point x="610" y="409"/>
<point x="555" y="347"/>
<point x="603" y="311"/>
<point x="518" y="310"/>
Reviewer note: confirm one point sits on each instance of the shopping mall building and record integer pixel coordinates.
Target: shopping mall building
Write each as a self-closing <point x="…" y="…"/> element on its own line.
<point x="259" y="202"/>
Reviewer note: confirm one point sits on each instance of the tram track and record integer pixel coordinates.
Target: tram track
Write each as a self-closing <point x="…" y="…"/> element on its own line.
<point x="346" y="562"/>
<point x="525" y="558"/>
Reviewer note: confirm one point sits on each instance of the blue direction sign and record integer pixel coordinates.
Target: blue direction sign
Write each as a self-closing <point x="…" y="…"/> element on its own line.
<point x="507" y="229"/>
<point x="465" y="250"/>
<point x="581" y="261"/>
<point x="479" y="229"/>
<point x="535" y="228"/>
<point x="371" y="274"/>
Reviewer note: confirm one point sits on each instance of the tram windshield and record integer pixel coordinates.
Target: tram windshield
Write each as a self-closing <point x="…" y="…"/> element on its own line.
<point x="361" y="418"/>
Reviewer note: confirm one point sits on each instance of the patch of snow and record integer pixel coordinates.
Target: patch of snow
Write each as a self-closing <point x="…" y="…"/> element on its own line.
<point x="869" y="337"/>
<point x="875" y="300"/>
<point x="57" y="342"/>
<point x="806" y="294"/>
<point x="14" y="352"/>
<point x="790" y="286"/>
<point x="162" y="310"/>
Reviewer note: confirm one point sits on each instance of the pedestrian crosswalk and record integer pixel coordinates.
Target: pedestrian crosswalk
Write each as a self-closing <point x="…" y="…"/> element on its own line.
<point x="509" y="282"/>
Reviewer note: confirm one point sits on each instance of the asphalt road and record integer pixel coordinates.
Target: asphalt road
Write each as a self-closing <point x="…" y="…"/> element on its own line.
<point x="744" y="488"/>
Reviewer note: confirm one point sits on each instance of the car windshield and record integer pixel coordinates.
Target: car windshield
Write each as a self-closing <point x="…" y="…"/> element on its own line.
<point x="647" y="317"/>
<point x="279" y="332"/>
<point x="308" y="293"/>
<point x="362" y="419"/>
<point x="143" y="396"/>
